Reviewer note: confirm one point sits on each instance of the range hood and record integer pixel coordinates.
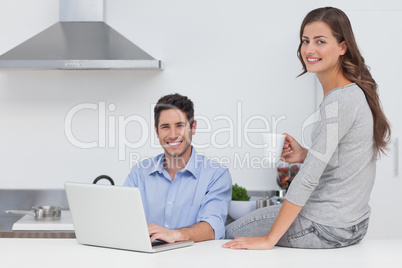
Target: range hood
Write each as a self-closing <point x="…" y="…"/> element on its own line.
<point x="80" y="40"/>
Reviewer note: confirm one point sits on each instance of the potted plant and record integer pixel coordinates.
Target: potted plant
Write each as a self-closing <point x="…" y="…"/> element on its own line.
<point x="240" y="204"/>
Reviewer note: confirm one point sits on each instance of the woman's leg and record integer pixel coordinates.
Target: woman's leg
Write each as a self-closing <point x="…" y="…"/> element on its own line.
<point x="303" y="233"/>
<point x="256" y="223"/>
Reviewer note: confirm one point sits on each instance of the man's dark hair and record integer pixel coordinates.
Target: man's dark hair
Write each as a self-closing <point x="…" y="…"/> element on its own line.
<point x="174" y="101"/>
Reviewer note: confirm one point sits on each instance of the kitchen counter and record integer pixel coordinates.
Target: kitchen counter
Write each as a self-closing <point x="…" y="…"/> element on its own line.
<point x="37" y="234"/>
<point x="6" y="224"/>
<point x="62" y="253"/>
<point x="24" y="199"/>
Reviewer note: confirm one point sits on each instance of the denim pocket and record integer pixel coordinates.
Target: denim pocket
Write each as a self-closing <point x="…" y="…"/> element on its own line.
<point x="328" y="235"/>
<point x="342" y="237"/>
<point x="308" y="234"/>
<point x="310" y="238"/>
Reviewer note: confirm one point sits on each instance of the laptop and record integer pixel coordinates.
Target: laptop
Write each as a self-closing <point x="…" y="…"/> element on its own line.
<point x="113" y="217"/>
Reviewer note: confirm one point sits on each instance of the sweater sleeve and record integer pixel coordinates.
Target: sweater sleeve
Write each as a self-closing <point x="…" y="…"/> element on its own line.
<point x="333" y="120"/>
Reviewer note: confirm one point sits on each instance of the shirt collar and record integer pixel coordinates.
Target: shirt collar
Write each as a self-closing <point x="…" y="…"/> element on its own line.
<point x="191" y="165"/>
<point x="158" y="164"/>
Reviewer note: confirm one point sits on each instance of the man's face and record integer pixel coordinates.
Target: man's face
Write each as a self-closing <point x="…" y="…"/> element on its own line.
<point x="174" y="132"/>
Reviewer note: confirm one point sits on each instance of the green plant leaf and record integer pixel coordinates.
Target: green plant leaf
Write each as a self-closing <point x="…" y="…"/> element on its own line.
<point x="239" y="193"/>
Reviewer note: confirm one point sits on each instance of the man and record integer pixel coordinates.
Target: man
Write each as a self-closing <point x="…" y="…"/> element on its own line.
<point x="185" y="195"/>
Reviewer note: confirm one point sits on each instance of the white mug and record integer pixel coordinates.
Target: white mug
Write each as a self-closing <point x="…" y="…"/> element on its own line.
<point x="273" y="145"/>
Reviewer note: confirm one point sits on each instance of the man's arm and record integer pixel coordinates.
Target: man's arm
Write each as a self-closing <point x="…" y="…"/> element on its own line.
<point x="198" y="232"/>
<point x="211" y="216"/>
<point x="215" y="204"/>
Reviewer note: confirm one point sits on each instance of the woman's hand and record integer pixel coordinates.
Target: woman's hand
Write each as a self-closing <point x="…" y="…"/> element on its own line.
<point x="293" y="152"/>
<point x="249" y="243"/>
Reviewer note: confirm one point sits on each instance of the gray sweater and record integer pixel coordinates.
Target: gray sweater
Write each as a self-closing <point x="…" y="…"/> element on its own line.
<point x="336" y="179"/>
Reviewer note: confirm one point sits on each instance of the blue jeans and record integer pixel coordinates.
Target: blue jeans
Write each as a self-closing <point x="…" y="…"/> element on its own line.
<point x="303" y="233"/>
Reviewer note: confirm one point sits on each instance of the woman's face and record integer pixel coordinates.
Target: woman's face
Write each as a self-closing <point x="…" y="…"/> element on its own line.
<point x="320" y="49"/>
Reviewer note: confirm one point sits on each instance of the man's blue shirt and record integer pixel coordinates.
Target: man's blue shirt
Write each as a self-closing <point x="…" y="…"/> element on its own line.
<point x="199" y="192"/>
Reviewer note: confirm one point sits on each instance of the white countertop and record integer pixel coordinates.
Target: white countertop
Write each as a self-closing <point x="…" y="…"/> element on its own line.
<point x="29" y="223"/>
<point x="62" y="253"/>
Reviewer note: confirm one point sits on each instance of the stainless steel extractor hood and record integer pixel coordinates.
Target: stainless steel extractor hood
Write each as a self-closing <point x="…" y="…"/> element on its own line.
<point x="80" y="40"/>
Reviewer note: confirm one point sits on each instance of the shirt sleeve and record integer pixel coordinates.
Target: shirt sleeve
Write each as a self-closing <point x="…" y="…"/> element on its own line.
<point x="215" y="204"/>
<point x="335" y="119"/>
<point x="132" y="178"/>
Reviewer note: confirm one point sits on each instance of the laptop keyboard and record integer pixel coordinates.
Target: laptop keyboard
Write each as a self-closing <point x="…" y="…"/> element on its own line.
<point x="158" y="243"/>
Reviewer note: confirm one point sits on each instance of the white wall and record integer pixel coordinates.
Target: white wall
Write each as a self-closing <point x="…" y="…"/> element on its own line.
<point x="235" y="59"/>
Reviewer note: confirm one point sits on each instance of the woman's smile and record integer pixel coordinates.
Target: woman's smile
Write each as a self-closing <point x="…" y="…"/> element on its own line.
<point x="312" y="60"/>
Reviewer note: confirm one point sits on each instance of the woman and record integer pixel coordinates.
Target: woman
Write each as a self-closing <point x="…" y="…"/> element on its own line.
<point x="326" y="205"/>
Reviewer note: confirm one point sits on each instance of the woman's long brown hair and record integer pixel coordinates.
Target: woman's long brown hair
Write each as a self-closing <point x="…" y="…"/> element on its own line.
<point x="353" y="67"/>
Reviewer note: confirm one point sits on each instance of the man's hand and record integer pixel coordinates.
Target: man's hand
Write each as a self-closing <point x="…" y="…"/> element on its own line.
<point x="249" y="243"/>
<point x="198" y="232"/>
<point x="160" y="233"/>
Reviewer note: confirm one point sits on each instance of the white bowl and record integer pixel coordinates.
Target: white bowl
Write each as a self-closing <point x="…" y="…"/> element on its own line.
<point x="238" y="209"/>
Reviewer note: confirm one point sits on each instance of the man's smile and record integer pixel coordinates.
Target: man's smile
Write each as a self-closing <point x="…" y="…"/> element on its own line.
<point x="174" y="143"/>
